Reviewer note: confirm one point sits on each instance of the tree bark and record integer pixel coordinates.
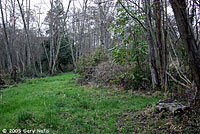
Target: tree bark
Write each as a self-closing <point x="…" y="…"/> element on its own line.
<point x="160" y="45"/>
<point x="7" y="41"/>
<point x="152" y="58"/>
<point x="188" y="40"/>
<point x="51" y="38"/>
<point x="13" y="34"/>
<point x="70" y="42"/>
<point x="28" y="51"/>
<point x="60" y="37"/>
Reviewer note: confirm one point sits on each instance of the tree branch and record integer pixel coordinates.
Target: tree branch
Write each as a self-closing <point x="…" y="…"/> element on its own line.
<point x="135" y="18"/>
<point x="177" y="80"/>
<point x="136" y="5"/>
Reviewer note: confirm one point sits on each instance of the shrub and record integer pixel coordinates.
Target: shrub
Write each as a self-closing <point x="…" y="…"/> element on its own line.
<point x="135" y="79"/>
<point x="135" y="56"/>
<point x="132" y="55"/>
<point x="124" y="72"/>
<point x="107" y="72"/>
<point x="90" y="60"/>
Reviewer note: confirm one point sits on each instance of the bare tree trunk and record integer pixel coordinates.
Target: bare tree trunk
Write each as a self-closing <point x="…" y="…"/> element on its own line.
<point x="84" y="8"/>
<point x="39" y="42"/>
<point x="51" y="38"/>
<point x="7" y="41"/>
<point x="70" y="42"/>
<point x="72" y="52"/>
<point x="60" y="37"/>
<point x="165" y="50"/>
<point x="28" y="13"/>
<point x="40" y="64"/>
<point x="101" y="26"/>
<point x="13" y="34"/>
<point x="74" y="31"/>
<point x="28" y="51"/>
<point x="152" y="59"/>
<point x="57" y="53"/>
<point x="160" y="45"/>
<point x="189" y="42"/>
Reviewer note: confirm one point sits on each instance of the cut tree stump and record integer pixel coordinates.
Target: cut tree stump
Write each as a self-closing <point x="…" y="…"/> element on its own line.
<point x="171" y="105"/>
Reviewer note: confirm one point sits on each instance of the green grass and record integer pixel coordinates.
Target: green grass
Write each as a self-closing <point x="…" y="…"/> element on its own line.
<point x="60" y="105"/>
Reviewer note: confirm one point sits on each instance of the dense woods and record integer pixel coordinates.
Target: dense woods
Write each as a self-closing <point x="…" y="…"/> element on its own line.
<point x="157" y="41"/>
<point x="131" y="45"/>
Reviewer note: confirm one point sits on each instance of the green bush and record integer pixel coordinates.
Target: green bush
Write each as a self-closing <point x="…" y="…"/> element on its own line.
<point x="134" y="79"/>
<point x="124" y="71"/>
<point x="132" y="55"/>
<point x="136" y="57"/>
<point x="107" y="72"/>
<point x="90" y="60"/>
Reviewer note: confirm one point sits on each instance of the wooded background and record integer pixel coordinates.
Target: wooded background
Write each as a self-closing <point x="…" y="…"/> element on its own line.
<point x="156" y="36"/>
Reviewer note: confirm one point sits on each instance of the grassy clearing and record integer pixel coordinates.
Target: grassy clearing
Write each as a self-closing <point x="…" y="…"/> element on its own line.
<point x="61" y="105"/>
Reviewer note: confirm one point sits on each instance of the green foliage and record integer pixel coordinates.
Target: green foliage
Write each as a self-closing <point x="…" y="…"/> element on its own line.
<point x="121" y="55"/>
<point x="126" y="27"/>
<point x="136" y="78"/>
<point x="91" y="59"/>
<point x="124" y="55"/>
<point x="132" y="51"/>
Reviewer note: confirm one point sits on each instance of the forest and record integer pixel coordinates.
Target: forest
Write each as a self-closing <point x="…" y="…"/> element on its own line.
<point x="100" y="66"/>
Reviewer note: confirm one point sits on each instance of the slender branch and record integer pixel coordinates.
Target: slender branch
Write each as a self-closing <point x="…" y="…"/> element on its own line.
<point x="177" y="80"/>
<point x="178" y="71"/>
<point x="132" y="15"/>
<point x="136" y="5"/>
<point x="65" y="17"/>
<point x="177" y="60"/>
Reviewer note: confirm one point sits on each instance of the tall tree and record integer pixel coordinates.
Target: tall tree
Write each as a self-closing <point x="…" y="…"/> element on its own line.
<point x="151" y="46"/>
<point x="188" y="40"/>
<point x="61" y="29"/>
<point x="160" y="44"/>
<point x="26" y="28"/>
<point x="56" y="20"/>
<point x="6" y="38"/>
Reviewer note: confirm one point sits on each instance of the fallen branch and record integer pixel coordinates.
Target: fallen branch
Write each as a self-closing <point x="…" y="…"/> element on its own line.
<point x="7" y="86"/>
<point x="172" y="105"/>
